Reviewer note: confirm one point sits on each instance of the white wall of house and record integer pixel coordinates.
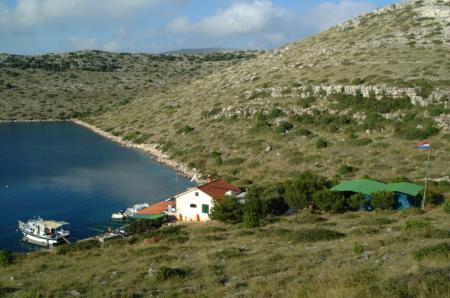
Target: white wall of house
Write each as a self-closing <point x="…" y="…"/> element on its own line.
<point x="190" y="205"/>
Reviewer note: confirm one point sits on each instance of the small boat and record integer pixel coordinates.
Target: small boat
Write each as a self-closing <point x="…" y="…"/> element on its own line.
<point x="44" y="232"/>
<point x="120" y="215"/>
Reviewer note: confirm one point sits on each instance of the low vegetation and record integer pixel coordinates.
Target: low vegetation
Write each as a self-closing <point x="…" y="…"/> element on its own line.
<point x="214" y="259"/>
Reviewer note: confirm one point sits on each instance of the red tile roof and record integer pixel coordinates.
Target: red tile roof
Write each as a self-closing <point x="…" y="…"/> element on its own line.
<point x="157" y="208"/>
<point x="217" y="188"/>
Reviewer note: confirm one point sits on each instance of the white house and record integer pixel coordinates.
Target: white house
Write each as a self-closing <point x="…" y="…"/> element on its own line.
<point x="196" y="203"/>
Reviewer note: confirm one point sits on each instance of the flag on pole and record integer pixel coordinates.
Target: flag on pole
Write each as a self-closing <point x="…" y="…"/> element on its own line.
<point x="424" y="145"/>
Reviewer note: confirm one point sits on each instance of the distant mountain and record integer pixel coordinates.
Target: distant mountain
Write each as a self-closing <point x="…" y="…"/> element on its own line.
<point x="200" y="51"/>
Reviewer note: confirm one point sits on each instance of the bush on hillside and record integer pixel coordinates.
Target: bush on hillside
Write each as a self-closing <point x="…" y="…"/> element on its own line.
<point x="251" y="219"/>
<point x="263" y="201"/>
<point x="321" y="143"/>
<point x="185" y="130"/>
<point x="446" y="206"/>
<point x="284" y="127"/>
<point x="165" y="273"/>
<point x="439" y="251"/>
<point x="434" y="196"/>
<point x="6" y="257"/>
<point x="327" y="200"/>
<point x="346" y="169"/>
<point x="356" y="201"/>
<point x="315" y="235"/>
<point x="77" y="246"/>
<point x="227" y="210"/>
<point x="142" y="226"/>
<point x="299" y="191"/>
<point x="267" y="200"/>
<point x="383" y="200"/>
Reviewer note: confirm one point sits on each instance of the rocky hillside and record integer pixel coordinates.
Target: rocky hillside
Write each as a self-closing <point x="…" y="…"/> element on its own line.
<point x="69" y="85"/>
<point x="353" y="100"/>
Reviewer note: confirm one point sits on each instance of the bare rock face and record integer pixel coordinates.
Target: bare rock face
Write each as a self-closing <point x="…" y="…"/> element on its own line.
<point x="435" y="9"/>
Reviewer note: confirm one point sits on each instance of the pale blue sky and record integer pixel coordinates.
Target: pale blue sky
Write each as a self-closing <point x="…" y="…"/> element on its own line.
<point x="41" y="26"/>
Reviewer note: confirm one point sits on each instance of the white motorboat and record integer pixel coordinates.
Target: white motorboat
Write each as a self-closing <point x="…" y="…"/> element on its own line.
<point x="120" y="215"/>
<point x="44" y="232"/>
<point x="129" y="212"/>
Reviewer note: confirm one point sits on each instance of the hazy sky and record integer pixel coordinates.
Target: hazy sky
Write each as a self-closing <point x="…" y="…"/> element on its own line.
<point x="39" y="26"/>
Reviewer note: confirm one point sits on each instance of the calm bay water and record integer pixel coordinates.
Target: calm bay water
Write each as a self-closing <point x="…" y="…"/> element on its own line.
<point x="62" y="171"/>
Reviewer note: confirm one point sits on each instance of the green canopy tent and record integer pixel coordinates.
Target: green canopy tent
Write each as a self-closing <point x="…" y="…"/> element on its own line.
<point x="404" y="191"/>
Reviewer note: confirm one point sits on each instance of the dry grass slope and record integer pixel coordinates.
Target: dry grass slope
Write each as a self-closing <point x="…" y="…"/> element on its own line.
<point x="378" y="254"/>
<point x="268" y="117"/>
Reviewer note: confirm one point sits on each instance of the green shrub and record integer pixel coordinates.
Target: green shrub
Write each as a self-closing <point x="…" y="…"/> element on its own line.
<point x="230" y="252"/>
<point x="142" y="226"/>
<point x="314" y="235"/>
<point x="227" y="210"/>
<point x="446" y="206"/>
<point x="427" y="282"/>
<point x="284" y="127"/>
<point x="434" y="196"/>
<point x="275" y="113"/>
<point x="268" y="200"/>
<point x="299" y="191"/>
<point x="377" y="221"/>
<point x="327" y="200"/>
<point x="346" y="169"/>
<point x="304" y="132"/>
<point x="356" y="201"/>
<point x="308" y="218"/>
<point x="6" y="257"/>
<point x="321" y="143"/>
<point x="358" y="249"/>
<point x="77" y="246"/>
<point x="165" y="273"/>
<point x="217" y="157"/>
<point x="251" y="219"/>
<point x="383" y="200"/>
<point x="234" y="161"/>
<point x="185" y="130"/>
<point x="416" y="224"/>
<point x="440" y="251"/>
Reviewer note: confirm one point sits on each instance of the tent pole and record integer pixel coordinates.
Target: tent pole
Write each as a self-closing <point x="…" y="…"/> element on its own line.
<point x="426" y="181"/>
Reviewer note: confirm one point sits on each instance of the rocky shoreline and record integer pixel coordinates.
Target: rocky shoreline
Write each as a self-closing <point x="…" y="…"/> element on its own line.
<point x="152" y="150"/>
<point x="31" y="121"/>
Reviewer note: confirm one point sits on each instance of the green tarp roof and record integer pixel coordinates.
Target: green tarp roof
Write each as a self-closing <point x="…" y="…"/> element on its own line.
<point x="405" y="187"/>
<point x="364" y="186"/>
<point x="367" y="187"/>
<point x="148" y="216"/>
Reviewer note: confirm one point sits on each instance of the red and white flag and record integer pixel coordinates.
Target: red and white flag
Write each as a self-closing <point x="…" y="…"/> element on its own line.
<point x="424" y="145"/>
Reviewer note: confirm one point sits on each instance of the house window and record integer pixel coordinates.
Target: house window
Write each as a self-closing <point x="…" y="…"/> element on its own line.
<point x="193" y="205"/>
<point x="196" y="193"/>
<point x="205" y="208"/>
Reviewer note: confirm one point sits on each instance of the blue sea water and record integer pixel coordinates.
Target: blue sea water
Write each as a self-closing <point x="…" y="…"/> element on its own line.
<point x="61" y="171"/>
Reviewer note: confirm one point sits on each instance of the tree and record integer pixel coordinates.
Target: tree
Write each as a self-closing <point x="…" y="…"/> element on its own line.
<point x="383" y="200"/>
<point x="356" y="201"/>
<point x="268" y="200"/>
<point x="227" y="210"/>
<point x="299" y="190"/>
<point x="263" y="201"/>
<point x="327" y="200"/>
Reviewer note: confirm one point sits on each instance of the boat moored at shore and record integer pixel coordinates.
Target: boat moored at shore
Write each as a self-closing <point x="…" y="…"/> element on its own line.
<point x="44" y="232"/>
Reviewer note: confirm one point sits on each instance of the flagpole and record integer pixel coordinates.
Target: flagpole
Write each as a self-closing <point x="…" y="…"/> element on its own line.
<point x="426" y="180"/>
